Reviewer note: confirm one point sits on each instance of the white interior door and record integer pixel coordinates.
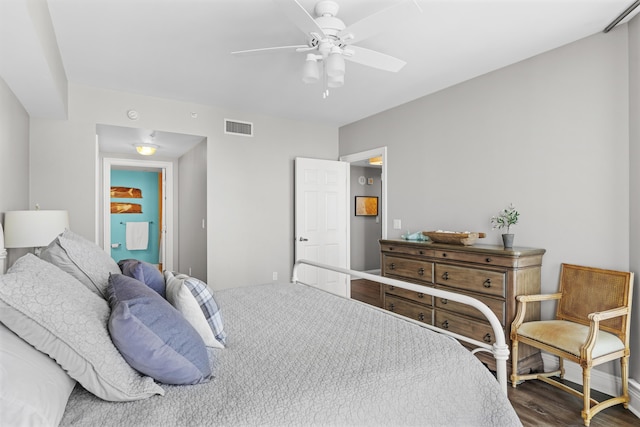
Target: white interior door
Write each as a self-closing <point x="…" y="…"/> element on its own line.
<point x="321" y="221"/>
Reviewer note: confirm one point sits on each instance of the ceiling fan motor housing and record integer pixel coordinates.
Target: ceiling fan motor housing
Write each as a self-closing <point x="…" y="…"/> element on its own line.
<point x="326" y="12"/>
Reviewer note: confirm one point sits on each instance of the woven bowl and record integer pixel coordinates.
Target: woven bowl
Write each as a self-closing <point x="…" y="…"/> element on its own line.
<point x="453" y="238"/>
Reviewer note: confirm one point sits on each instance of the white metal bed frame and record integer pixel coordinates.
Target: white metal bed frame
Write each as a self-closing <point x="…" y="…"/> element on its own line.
<point x="499" y="349"/>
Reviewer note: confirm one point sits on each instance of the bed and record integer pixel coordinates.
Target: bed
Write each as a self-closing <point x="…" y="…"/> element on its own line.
<point x="292" y="355"/>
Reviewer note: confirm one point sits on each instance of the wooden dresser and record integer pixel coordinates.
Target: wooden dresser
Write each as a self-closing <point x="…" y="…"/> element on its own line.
<point x="489" y="273"/>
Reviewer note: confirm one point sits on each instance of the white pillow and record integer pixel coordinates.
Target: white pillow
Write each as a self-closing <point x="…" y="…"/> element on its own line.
<point x="182" y="299"/>
<point x="35" y="389"/>
<point x="53" y="312"/>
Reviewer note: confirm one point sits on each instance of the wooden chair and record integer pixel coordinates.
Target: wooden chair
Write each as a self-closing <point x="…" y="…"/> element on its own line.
<point x="591" y="327"/>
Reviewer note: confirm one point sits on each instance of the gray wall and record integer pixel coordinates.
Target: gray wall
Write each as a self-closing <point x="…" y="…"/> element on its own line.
<point x="365" y="230"/>
<point x="249" y="213"/>
<point x="549" y="134"/>
<point x="14" y="158"/>
<point x="191" y="197"/>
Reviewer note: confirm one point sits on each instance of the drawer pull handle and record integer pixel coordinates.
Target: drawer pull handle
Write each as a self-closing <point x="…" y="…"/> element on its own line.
<point x="444" y="254"/>
<point x="487" y="283"/>
<point x="391" y="307"/>
<point x="445" y="276"/>
<point x="445" y="324"/>
<point x="421" y="317"/>
<point x="390" y="248"/>
<point x="392" y="266"/>
<point x="421" y="252"/>
<point x="487" y="338"/>
<point x="488" y="259"/>
<point x="391" y="287"/>
<point x="421" y="271"/>
<point x="445" y="301"/>
<point x="420" y="295"/>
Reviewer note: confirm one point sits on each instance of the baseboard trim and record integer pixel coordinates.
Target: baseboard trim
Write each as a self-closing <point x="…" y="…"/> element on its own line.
<point x="601" y="381"/>
<point x="634" y="397"/>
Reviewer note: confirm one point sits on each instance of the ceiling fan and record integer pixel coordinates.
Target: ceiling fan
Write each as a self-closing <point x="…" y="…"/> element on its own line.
<point x="330" y="41"/>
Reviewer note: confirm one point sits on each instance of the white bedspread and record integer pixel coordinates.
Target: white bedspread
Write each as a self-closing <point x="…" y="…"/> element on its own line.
<point x="298" y="356"/>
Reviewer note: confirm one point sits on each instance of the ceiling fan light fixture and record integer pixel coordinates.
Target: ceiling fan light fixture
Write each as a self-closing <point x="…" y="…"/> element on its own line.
<point x="146" y="149"/>
<point x="310" y="72"/>
<point x="337" y="81"/>
<point x="335" y="63"/>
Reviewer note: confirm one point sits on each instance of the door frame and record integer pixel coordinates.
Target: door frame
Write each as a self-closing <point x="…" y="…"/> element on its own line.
<point x="167" y="210"/>
<point x="356" y="157"/>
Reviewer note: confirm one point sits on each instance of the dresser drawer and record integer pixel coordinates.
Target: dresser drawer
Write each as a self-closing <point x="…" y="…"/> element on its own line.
<point x="476" y="258"/>
<point x="407" y="268"/>
<point x="496" y="305"/>
<point x="411" y="295"/>
<point x="471" y="279"/>
<point x="407" y="250"/>
<point x="479" y="331"/>
<point x="408" y="309"/>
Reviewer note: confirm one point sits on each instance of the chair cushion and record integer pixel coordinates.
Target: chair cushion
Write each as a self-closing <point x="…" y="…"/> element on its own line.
<point x="569" y="337"/>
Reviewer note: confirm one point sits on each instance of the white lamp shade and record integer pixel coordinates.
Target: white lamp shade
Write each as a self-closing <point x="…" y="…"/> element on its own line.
<point x="335" y="64"/>
<point x="335" y="81"/>
<point x="310" y="72"/>
<point x="33" y="229"/>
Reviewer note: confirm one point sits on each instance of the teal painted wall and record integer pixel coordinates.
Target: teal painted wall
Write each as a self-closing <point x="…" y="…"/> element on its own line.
<point x="147" y="182"/>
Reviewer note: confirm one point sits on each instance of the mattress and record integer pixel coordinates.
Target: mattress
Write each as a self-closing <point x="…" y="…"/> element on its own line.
<point x="296" y="355"/>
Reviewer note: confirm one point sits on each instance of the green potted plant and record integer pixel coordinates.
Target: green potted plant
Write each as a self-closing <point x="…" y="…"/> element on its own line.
<point x="505" y="219"/>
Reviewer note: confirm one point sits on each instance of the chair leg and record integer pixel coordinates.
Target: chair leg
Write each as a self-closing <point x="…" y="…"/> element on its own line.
<point x="514" y="363"/>
<point x="624" y="373"/>
<point x="586" y="394"/>
<point x="561" y="366"/>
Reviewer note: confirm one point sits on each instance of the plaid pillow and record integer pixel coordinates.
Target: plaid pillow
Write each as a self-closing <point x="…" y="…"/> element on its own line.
<point x="207" y="304"/>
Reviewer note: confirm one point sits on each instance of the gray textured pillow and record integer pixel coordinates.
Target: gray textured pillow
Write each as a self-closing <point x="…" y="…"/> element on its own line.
<point x="49" y="309"/>
<point x="35" y="389"/>
<point x="82" y="259"/>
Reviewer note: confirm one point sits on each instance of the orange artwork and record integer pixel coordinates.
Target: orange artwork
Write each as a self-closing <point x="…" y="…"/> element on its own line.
<point x="366" y="206"/>
<point x="120" y="208"/>
<point x="126" y="193"/>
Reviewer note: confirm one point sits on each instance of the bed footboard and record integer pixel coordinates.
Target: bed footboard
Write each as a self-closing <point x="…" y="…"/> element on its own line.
<point x="499" y="349"/>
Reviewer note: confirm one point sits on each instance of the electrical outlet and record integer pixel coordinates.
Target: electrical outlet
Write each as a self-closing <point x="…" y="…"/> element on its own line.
<point x="275" y="275"/>
<point x="397" y="224"/>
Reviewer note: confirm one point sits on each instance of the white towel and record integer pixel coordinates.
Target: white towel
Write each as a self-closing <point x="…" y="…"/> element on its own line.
<point x="137" y="236"/>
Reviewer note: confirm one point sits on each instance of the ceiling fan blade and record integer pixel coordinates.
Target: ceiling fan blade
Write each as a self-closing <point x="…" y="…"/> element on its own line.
<point x="374" y="59"/>
<point x="269" y="49"/>
<point x="299" y="16"/>
<point x="379" y="21"/>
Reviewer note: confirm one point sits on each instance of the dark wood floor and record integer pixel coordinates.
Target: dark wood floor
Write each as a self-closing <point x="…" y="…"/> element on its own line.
<point x="537" y="404"/>
<point x="540" y="404"/>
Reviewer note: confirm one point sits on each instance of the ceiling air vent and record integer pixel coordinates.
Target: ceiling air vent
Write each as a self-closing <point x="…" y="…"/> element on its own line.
<point x="235" y="127"/>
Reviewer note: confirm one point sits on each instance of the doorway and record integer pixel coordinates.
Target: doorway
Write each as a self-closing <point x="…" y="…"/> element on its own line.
<point x="368" y="177"/>
<point x="374" y="178"/>
<point x="163" y="170"/>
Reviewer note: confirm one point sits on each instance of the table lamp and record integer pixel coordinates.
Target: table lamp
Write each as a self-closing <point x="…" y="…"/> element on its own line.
<point x="33" y="229"/>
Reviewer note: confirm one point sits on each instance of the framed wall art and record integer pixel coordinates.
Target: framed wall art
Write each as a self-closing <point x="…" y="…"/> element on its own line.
<point x="366" y="206"/>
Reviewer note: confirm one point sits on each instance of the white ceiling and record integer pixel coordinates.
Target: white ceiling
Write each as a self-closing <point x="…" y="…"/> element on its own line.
<point x="119" y="139"/>
<point x="180" y="49"/>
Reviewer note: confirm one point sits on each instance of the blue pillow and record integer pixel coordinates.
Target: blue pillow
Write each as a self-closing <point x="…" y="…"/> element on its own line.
<point x="152" y="336"/>
<point x="144" y="272"/>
